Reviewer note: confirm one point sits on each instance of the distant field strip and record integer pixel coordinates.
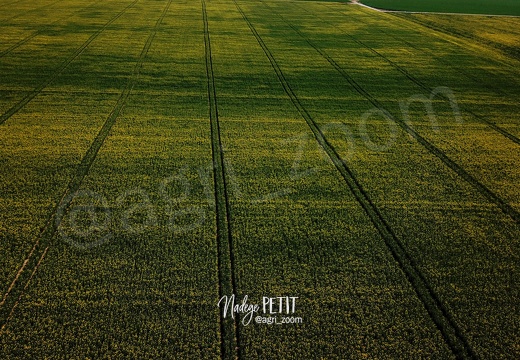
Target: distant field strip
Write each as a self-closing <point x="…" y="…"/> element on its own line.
<point x="59" y="70"/>
<point x="230" y="339"/>
<point x="436" y="309"/>
<point x="42" y="244"/>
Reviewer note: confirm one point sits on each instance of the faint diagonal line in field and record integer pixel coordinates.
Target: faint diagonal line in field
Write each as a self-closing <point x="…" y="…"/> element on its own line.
<point x="14" y="2"/>
<point x="24" y="40"/>
<point x="54" y="221"/>
<point x="11" y="313"/>
<point x="17" y="107"/>
<point x="437" y="311"/>
<point x="32" y="10"/>
<point x="46" y="27"/>
<point x="229" y="331"/>
<point x="511" y="52"/>
<point x="511" y="23"/>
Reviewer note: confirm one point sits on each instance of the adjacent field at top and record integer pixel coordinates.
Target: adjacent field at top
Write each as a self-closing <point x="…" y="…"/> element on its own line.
<point x="156" y="155"/>
<point x="497" y="7"/>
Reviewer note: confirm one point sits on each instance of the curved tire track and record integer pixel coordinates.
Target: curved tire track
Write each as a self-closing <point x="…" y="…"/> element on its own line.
<point x="444" y="321"/>
<point x="37" y="254"/>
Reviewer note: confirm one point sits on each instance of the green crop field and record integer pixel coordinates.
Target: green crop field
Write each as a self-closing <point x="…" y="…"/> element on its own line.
<point x="350" y="174"/>
<point x="492" y="7"/>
